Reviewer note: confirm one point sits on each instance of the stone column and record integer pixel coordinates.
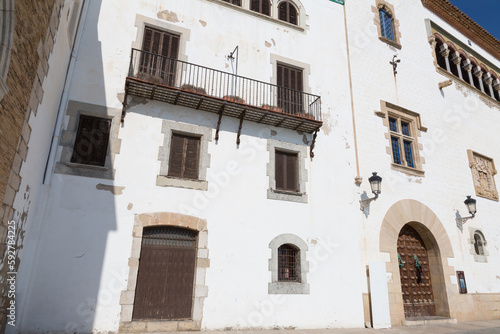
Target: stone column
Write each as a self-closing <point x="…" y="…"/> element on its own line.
<point x="487" y="79"/>
<point x="468" y="67"/>
<point x="445" y="52"/>
<point x="479" y="74"/>
<point x="496" y="88"/>
<point x="456" y="62"/>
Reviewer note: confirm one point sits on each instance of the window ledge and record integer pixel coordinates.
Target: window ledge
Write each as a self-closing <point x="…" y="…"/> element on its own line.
<point x="288" y="288"/>
<point x="167" y="181"/>
<point x="408" y="170"/>
<point x="391" y="43"/>
<point x="77" y="165"/>
<point x="284" y="195"/>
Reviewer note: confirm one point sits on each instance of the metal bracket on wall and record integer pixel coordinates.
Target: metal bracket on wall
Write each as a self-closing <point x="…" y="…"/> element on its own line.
<point x="219" y="121"/>
<point x="241" y="124"/>
<point x="311" y="153"/>
<point x="124" y="104"/>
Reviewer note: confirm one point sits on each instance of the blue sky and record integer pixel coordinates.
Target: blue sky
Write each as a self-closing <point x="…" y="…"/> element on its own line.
<point x="484" y="12"/>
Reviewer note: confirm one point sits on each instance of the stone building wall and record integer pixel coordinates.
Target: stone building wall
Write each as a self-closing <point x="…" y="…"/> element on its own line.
<point x="35" y="28"/>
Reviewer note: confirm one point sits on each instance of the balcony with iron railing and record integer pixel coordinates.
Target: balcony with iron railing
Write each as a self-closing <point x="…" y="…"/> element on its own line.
<point x="181" y="83"/>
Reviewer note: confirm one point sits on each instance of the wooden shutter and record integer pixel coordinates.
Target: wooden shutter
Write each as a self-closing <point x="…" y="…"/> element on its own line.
<point x="290" y="96"/>
<point x="286" y="171"/>
<point x="91" y="144"/>
<point x="184" y="156"/>
<point x="164" y="49"/>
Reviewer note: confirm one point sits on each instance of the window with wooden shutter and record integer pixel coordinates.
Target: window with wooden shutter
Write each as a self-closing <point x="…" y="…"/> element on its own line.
<point x="91" y="144"/>
<point x="160" y="62"/>
<point x="290" y="86"/>
<point x="287" y="12"/>
<point x="184" y="156"/>
<point x="286" y="171"/>
<point x="261" y="6"/>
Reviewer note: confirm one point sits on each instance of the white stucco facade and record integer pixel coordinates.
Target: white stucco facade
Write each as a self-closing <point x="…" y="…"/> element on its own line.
<point x="83" y="236"/>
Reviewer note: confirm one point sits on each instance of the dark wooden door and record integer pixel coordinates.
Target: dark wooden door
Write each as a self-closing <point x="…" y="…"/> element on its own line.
<point x="290" y="88"/>
<point x="166" y="274"/>
<point x="158" y="63"/>
<point x="414" y="269"/>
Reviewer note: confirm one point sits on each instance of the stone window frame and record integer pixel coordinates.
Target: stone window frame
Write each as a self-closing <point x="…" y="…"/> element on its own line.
<point x="480" y="190"/>
<point x="291" y="288"/>
<point x="142" y="21"/>
<point x="274" y="17"/>
<point x="301" y="151"/>
<point x="380" y="4"/>
<point x="200" y="288"/>
<point x="413" y="119"/>
<point x="478" y="257"/>
<point x="205" y="135"/>
<point x="68" y="138"/>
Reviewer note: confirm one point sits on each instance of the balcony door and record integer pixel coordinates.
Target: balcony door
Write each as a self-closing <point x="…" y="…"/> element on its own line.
<point x="158" y="62"/>
<point x="290" y="88"/>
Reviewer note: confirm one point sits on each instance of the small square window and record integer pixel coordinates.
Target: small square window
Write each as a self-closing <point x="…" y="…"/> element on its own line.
<point x="184" y="156"/>
<point x="91" y="144"/>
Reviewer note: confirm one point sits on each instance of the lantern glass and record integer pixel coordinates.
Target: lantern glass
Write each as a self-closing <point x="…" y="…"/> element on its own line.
<point x="375" y="183"/>
<point x="470" y="203"/>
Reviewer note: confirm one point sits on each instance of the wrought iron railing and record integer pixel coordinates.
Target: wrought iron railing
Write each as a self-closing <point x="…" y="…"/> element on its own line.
<point x="169" y="72"/>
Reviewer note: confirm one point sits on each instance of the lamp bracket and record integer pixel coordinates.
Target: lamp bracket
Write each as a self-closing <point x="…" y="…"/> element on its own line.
<point x="364" y="203"/>
<point x="461" y="221"/>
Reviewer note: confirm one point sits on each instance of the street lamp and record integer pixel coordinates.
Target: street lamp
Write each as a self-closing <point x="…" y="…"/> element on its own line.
<point x="470" y="203"/>
<point x="375" y="184"/>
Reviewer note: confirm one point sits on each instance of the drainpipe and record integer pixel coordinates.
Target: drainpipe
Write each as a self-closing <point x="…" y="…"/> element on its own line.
<point x="64" y="97"/>
<point x="358" y="179"/>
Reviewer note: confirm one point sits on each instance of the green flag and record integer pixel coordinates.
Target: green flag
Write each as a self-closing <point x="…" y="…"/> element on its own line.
<point x="338" y="1"/>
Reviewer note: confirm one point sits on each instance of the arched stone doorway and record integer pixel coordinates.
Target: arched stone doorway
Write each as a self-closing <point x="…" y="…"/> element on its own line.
<point x="426" y="224"/>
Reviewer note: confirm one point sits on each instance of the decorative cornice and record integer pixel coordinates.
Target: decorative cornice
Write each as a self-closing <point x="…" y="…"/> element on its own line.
<point x="465" y="25"/>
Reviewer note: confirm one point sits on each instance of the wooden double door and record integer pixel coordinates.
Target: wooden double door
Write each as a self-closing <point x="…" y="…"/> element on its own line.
<point x="414" y="269"/>
<point x="166" y="274"/>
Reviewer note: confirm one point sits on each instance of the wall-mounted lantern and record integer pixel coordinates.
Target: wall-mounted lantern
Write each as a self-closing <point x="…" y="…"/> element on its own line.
<point x="470" y="203"/>
<point x="375" y="184"/>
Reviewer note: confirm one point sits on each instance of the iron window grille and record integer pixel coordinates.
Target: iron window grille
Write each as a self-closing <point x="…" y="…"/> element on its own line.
<point x="288" y="264"/>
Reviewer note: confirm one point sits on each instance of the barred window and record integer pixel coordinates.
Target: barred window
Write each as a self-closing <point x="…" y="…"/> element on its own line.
<point x="288" y="263"/>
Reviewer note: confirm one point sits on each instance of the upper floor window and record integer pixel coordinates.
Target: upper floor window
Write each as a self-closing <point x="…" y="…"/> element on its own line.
<point x="91" y="144"/>
<point x="404" y="128"/>
<point x="290" y="81"/>
<point x="184" y="156"/>
<point x="401" y="142"/>
<point x="261" y="6"/>
<point x="287" y="12"/>
<point x="286" y="171"/>
<point x="386" y="24"/>
<point x="234" y="2"/>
